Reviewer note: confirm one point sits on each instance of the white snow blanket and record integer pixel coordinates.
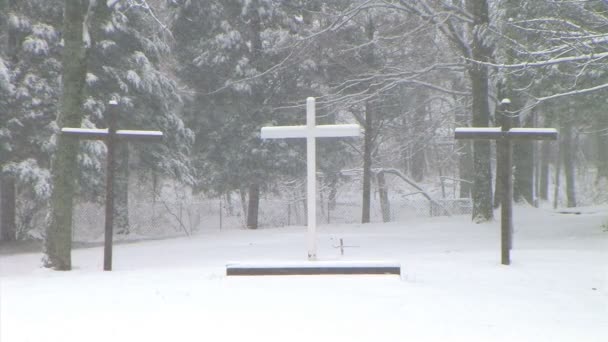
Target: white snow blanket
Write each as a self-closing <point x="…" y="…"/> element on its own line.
<point x="452" y="288"/>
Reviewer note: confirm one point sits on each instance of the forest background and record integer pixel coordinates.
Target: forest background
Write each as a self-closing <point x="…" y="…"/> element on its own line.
<point x="210" y="74"/>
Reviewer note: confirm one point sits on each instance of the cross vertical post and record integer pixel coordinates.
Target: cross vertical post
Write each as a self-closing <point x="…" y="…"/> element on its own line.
<point x="110" y="167"/>
<point x="311" y="131"/>
<point x="506" y="206"/>
<point x="311" y="182"/>
<point x="504" y="136"/>
<point x="111" y="136"/>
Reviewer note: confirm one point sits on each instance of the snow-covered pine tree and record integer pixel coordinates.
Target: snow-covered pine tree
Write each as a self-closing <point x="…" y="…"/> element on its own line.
<point x="127" y="52"/>
<point x="32" y="56"/>
<point x="7" y="200"/>
<point x="242" y="61"/>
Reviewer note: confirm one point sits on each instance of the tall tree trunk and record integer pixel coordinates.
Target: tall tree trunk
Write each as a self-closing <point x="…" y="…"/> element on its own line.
<point x="601" y="140"/>
<point x="465" y="169"/>
<point x="503" y="119"/>
<point x="370" y="28"/>
<point x="252" y="208"/>
<point x="333" y="192"/>
<point x="404" y="155"/>
<point x="568" y="148"/>
<point x="12" y="34"/>
<point x="418" y="152"/>
<point x="546" y="153"/>
<point x="8" y="227"/>
<point x="523" y="160"/>
<point x="367" y="164"/>
<point x="544" y="170"/>
<point x="121" y="190"/>
<point x="244" y="206"/>
<point x="482" y="181"/>
<point x="257" y="97"/>
<point x="3" y="15"/>
<point x="155" y="187"/>
<point x="558" y="172"/>
<point x="385" y="205"/>
<point x="478" y="73"/>
<point x="8" y="199"/>
<point x="463" y="147"/>
<point x="58" y="240"/>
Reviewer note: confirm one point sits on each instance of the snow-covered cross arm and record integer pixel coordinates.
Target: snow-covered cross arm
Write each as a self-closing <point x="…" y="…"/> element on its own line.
<point x="321" y="131"/>
<point x="311" y="131"/>
<point x="100" y="134"/>
<point x="495" y="133"/>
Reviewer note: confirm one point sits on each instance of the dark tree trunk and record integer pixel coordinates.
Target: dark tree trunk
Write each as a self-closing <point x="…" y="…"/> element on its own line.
<point x="243" y="196"/>
<point x="503" y="119"/>
<point x="8" y="200"/>
<point x="482" y="181"/>
<point x="8" y="227"/>
<point x="252" y="208"/>
<point x="229" y="204"/>
<point x="367" y="164"/>
<point x="385" y="205"/>
<point x="478" y="73"/>
<point x="601" y="139"/>
<point x="121" y="190"/>
<point x="499" y="175"/>
<point x="558" y="172"/>
<point x="12" y="34"/>
<point x="404" y="152"/>
<point x="333" y="192"/>
<point x="58" y="240"/>
<point x="3" y="16"/>
<point x="568" y="148"/>
<point x="523" y="185"/>
<point x="257" y="97"/>
<point x="155" y="190"/>
<point x="463" y="147"/>
<point x="544" y="170"/>
<point x="523" y="160"/>
<point x="546" y="153"/>
<point x="418" y="161"/>
<point x="465" y="169"/>
<point x="370" y="28"/>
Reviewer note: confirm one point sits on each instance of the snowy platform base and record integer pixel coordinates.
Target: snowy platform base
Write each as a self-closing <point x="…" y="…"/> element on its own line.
<point x="313" y="268"/>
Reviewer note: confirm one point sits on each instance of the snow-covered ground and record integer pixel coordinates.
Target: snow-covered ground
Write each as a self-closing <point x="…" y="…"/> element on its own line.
<point x="452" y="287"/>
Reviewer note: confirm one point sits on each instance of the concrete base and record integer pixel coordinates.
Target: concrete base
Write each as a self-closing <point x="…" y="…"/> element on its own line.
<point x="313" y="268"/>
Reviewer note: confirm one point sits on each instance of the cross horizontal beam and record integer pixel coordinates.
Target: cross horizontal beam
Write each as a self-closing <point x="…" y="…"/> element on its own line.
<point x="496" y="133"/>
<point x="102" y="133"/>
<point x="533" y="133"/>
<point x="320" y="131"/>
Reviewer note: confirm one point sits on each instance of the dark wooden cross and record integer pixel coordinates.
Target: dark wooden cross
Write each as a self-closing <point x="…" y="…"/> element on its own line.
<point x="111" y="136"/>
<point x="505" y="135"/>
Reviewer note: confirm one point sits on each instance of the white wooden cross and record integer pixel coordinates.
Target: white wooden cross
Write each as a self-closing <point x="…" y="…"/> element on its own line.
<point x="311" y="131"/>
<point x="110" y="135"/>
